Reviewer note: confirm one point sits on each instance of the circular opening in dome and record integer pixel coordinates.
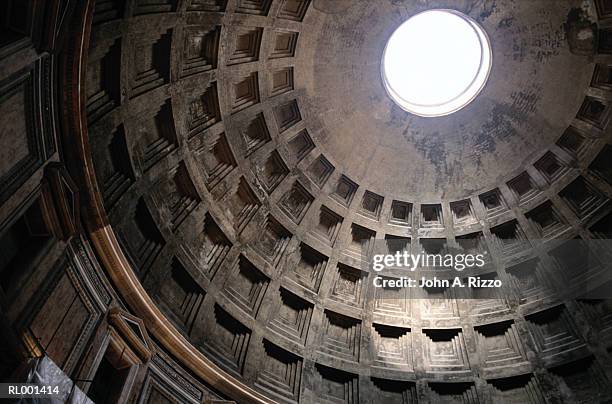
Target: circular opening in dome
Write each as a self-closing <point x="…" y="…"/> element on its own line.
<point x="436" y="63"/>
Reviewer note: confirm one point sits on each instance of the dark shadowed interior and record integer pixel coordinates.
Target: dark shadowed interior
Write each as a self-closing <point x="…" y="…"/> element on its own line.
<point x="187" y="188"/>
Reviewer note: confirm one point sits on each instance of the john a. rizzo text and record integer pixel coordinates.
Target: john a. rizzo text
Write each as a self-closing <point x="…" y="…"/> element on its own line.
<point x="434" y="282"/>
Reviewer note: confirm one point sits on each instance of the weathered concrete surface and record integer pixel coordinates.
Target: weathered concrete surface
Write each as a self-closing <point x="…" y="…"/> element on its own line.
<point x="535" y="88"/>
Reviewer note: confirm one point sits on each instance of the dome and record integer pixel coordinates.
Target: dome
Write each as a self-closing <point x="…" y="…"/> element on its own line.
<point x="194" y="193"/>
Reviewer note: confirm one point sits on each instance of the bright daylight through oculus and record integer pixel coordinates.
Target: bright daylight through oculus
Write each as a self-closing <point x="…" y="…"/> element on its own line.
<point x="436" y="63"/>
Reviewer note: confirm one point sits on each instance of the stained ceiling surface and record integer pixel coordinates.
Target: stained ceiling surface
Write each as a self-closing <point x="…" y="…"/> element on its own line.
<point x="534" y="90"/>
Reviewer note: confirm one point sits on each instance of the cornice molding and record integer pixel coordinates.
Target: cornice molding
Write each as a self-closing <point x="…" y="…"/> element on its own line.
<point x="80" y="164"/>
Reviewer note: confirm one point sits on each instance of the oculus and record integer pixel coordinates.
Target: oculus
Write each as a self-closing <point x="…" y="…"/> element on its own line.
<point x="436" y="63"/>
